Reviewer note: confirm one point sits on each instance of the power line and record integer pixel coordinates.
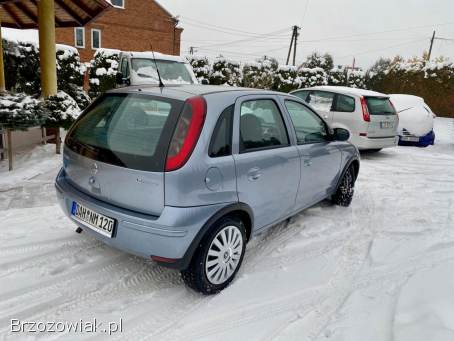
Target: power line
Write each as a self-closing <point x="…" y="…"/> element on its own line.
<point x="201" y="23"/>
<point x="379" y="32"/>
<point x="381" y="49"/>
<point x="264" y="36"/>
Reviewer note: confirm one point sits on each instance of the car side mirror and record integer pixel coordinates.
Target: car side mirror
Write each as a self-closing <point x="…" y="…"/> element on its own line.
<point x="341" y="134"/>
<point x="205" y="81"/>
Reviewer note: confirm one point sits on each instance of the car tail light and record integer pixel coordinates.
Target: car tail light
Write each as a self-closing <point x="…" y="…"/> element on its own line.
<point x="366" y="115"/>
<point x="187" y="133"/>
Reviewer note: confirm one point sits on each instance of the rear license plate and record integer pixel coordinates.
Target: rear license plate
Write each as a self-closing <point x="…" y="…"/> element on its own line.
<point x="386" y="125"/>
<point x="410" y="138"/>
<point x="96" y="221"/>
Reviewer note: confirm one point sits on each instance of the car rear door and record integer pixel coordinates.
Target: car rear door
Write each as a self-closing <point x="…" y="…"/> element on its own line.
<point x="267" y="164"/>
<point x="383" y="117"/>
<point x="320" y="157"/>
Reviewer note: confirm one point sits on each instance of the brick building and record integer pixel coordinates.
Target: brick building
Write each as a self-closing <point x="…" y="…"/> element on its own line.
<point x="130" y="25"/>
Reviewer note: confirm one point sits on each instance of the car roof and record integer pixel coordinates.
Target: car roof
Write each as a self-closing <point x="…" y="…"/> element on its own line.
<point x="183" y="92"/>
<point x="157" y="55"/>
<point x="347" y="91"/>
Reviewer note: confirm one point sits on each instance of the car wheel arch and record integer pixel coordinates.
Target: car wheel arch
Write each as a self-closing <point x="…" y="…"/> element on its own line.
<point x="240" y="210"/>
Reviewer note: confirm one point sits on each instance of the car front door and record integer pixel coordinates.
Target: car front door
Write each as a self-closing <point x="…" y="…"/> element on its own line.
<point x="320" y="157"/>
<point x="267" y="164"/>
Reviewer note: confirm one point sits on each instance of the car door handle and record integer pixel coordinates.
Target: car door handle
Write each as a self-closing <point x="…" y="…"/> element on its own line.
<point x="254" y="174"/>
<point x="307" y="163"/>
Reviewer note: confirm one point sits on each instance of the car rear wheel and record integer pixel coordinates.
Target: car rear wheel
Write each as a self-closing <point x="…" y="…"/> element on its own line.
<point x="344" y="194"/>
<point x="218" y="257"/>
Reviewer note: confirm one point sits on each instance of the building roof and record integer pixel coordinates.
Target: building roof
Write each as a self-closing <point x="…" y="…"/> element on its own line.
<point x="23" y="14"/>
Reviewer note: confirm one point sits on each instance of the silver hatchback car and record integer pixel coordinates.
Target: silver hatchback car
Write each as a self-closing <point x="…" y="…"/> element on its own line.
<point x="186" y="175"/>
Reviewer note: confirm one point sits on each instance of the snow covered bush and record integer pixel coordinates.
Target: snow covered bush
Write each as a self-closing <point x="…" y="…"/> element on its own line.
<point x="70" y="74"/>
<point x="19" y="111"/>
<point x="356" y="79"/>
<point x="432" y="80"/>
<point x="286" y="78"/>
<point x="201" y="67"/>
<point x="28" y="70"/>
<point x="225" y="72"/>
<point x="260" y="74"/>
<point x="316" y="60"/>
<point x="58" y="111"/>
<point x="337" y="76"/>
<point x="103" y="71"/>
<point x="312" y="77"/>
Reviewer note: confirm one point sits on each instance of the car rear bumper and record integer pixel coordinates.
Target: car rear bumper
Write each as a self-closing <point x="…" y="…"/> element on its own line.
<point x="168" y="236"/>
<point x="364" y="142"/>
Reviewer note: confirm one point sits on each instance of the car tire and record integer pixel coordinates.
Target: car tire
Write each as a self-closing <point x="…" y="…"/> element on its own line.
<point x="218" y="257"/>
<point x="344" y="193"/>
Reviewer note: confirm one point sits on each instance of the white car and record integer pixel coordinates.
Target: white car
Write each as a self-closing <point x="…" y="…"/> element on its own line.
<point x="139" y="68"/>
<point x="369" y="116"/>
<point x="416" y="120"/>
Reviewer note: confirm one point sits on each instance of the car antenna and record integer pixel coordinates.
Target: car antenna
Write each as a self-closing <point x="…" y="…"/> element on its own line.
<point x="161" y="84"/>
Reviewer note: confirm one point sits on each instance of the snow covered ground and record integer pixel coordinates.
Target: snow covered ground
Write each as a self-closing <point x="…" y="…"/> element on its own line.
<point x="381" y="269"/>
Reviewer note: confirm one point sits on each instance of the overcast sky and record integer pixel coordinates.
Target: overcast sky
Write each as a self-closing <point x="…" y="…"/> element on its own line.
<point x="247" y="29"/>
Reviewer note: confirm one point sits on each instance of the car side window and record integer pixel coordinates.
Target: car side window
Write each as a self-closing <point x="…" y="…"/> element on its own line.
<point x="221" y="141"/>
<point x="321" y="100"/>
<point x="262" y="126"/>
<point x="301" y="94"/>
<point x="309" y="127"/>
<point x="344" y="104"/>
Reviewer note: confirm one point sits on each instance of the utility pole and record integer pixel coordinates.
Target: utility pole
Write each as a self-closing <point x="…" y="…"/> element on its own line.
<point x="191" y="50"/>
<point x="431" y="46"/>
<point x="293" y="44"/>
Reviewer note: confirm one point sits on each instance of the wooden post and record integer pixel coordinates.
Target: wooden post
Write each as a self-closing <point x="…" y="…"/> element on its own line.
<point x="47" y="49"/>
<point x="43" y="136"/>
<point x="58" y="141"/>
<point x="2" y="65"/>
<point x="10" y="148"/>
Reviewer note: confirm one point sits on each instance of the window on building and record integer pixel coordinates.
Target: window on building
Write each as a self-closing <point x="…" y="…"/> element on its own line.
<point x="95" y="39"/>
<point x="79" y="37"/>
<point x="118" y="3"/>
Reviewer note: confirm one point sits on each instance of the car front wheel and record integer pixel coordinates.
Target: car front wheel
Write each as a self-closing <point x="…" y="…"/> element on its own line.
<point x="218" y="257"/>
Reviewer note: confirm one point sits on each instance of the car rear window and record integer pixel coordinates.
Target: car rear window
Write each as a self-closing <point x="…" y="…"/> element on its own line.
<point x="126" y="130"/>
<point x="380" y="106"/>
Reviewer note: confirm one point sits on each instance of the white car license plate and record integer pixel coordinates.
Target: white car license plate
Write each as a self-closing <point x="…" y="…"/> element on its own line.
<point x="96" y="221"/>
<point x="410" y="138"/>
<point x="386" y="125"/>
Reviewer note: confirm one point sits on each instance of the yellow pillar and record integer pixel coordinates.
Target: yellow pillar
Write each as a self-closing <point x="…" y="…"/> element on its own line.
<point x="2" y="66"/>
<point x="47" y="50"/>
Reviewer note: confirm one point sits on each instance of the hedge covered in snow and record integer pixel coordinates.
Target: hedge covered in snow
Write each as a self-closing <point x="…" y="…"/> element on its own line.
<point x="432" y="80"/>
<point x="103" y="71"/>
<point x="22" y="107"/>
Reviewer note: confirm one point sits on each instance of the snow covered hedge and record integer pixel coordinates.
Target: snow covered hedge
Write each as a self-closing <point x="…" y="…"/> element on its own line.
<point x="22" y="70"/>
<point x="432" y="80"/>
<point x="225" y="72"/>
<point x="103" y="71"/>
<point x="19" y="111"/>
<point x="201" y="67"/>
